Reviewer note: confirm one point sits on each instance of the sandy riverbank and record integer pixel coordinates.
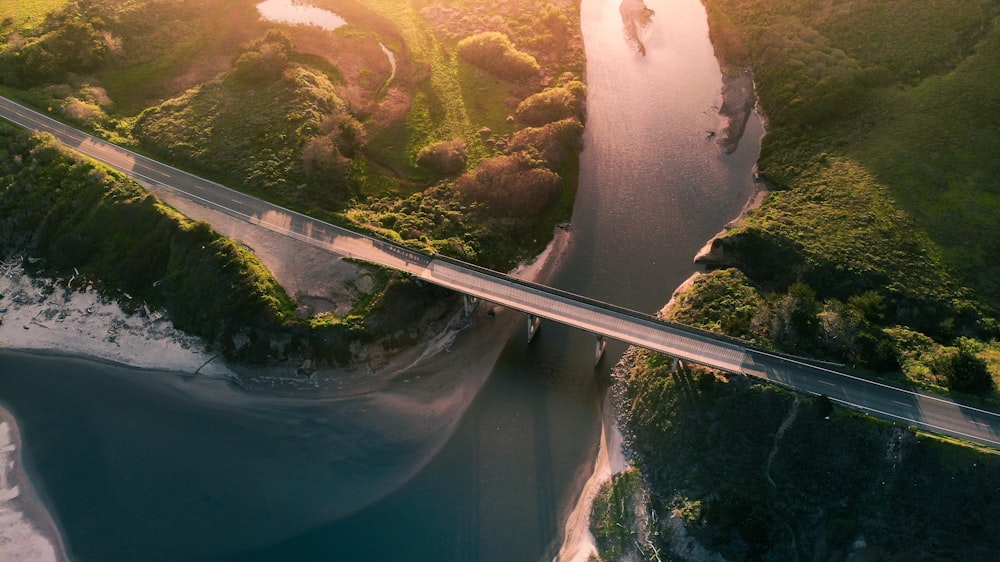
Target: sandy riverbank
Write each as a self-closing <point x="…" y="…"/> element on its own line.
<point x="27" y="531"/>
<point x="739" y="100"/>
<point x="412" y="400"/>
<point x="578" y="543"/>
<point x="43" y="316"/>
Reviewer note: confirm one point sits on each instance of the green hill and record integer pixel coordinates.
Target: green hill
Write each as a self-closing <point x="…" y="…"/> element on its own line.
<point x="881" y="134"/>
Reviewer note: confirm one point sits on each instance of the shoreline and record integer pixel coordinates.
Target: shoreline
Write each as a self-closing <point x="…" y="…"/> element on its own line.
<point x="28" y="529"/>
<point x="578" y="543"/>
<point x="40" y="317"/>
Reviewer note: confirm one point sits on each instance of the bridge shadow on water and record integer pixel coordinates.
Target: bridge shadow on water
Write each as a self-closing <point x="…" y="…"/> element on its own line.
<point x="501" y="483"/>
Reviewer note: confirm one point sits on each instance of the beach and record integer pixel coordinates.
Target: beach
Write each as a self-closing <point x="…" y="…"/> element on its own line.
<point x="27" y="531"/>
<point x="415" y="397"/>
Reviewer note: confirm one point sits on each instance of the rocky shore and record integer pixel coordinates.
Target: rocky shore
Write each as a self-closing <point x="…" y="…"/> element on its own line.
<point x="738" y="102"/>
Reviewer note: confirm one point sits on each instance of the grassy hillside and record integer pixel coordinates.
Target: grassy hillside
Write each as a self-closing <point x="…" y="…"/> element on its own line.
<point x="310" y="117"/>
<point x="756" y="473"/>
<point x="875" y="248"/>
<point x="105" y="226"/>
<point x="882" y="125"/>
<point x="381" y="124"/>
<point x="27" y="13"/>
<point x="246" y="121"/>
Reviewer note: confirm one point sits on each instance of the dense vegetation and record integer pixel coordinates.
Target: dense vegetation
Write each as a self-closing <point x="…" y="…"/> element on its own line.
<point x="875" y="246"/>
<point x="758" y="473"/>
<point x="71" y="218"/>
<point x="874" y="249"/>
<point x="106" y="227"/>
<point x="429" y="144"/>
<point x="323" y="120"/>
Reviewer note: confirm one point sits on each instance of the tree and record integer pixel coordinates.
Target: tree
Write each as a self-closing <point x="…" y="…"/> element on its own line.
<point x="493" y="52"/>
<point x="265" y="59"/>
<point x="446" y="158"/>
<point x="966" y="372"/>
<point x="553" y="104"/>
<point x="796" y="315"/>
<point x="511" y="186"/>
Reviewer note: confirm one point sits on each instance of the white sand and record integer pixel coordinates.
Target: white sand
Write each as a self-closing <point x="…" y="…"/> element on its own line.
<point x="27" y="532"/>
<point x="37" y="316"/>
<point x="578" y="543"/>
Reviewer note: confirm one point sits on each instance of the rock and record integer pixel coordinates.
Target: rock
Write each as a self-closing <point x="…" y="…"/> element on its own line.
<point x="738" y="101"/>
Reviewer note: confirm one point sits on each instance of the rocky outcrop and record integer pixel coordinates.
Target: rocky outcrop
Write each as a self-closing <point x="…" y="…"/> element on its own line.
<point x="738" y="101"/>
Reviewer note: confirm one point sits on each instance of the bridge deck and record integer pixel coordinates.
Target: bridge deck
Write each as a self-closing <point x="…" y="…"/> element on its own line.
<point x="576" y="311"/>
<point x="931" y="412"/>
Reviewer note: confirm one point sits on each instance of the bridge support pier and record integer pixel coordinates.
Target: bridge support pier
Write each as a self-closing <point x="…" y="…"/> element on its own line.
<point x="675" y="364"/>
<point x="533" y="323"/>
<point x="471" y="303"/>
<point x="599" y="349"/>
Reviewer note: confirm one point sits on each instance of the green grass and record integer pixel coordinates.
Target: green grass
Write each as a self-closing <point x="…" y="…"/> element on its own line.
<point x="882" y="153"/>
<point x="28" y="14"/>
<point x="827" y="480"/>
<point x="935" y="153"/>
<point x="612" y="518"/>
<point x="486" y="98"/>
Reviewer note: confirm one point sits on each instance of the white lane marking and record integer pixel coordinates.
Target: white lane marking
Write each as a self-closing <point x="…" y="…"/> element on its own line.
<point x="943" y="430"/>
<point x="144" y="161"/>
<point x="876" y="383"/>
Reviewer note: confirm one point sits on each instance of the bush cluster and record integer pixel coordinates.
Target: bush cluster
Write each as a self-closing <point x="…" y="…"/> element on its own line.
<point x="492" y="51"/>
<point x="553" y="104"/>
<point x="444" y="158"/>
<point x="70" y="41"/>
<point x="75" y="214"/>
<point x="511" y="186"/>
<point x="555" y="144"/>
<point x="265" y="59"/>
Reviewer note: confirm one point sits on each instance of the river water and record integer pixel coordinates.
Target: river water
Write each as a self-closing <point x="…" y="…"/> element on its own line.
<point x="139" y="465"/>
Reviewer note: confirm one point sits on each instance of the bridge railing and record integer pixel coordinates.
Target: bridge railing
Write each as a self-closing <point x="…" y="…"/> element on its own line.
<point x="593" y="302"/>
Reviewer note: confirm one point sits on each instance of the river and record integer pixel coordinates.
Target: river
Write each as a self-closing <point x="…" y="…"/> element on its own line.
<point x="141" y="465"/>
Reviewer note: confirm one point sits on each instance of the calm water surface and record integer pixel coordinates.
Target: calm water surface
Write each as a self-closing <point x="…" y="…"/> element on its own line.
<point x="299" y="13"/>
<point x="140" y="465"/>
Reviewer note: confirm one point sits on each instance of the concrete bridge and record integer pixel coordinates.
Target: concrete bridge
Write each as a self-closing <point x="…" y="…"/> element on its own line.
<point x="930" y="412"/>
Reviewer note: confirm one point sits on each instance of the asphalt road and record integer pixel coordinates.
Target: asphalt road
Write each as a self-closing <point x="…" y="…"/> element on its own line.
<point x="928" y="412"/>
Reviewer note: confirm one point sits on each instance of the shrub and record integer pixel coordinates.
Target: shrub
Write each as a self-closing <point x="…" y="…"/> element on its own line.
<point x="83" y="112"/>
<point x="265" y="59"/>
<point x="966" y="372"/>
<point x="553" y="104"/>
<point x="446" y="158"/>
<point x="511" y="186"/>
<point x="493" y="52"/>
<point x="324" y="163"/>
<point x="554" y="143"/>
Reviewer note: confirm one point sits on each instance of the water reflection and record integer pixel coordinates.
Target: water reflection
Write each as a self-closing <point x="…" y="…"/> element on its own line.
<point x="635" y="16"/>
<point x="297" y="13"/>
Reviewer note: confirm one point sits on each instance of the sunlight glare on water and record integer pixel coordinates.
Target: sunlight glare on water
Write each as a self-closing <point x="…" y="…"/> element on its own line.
<point x="290" y="11"/>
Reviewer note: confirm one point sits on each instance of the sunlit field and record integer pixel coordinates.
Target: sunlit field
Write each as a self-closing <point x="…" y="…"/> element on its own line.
<point x="27" y="13"/>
